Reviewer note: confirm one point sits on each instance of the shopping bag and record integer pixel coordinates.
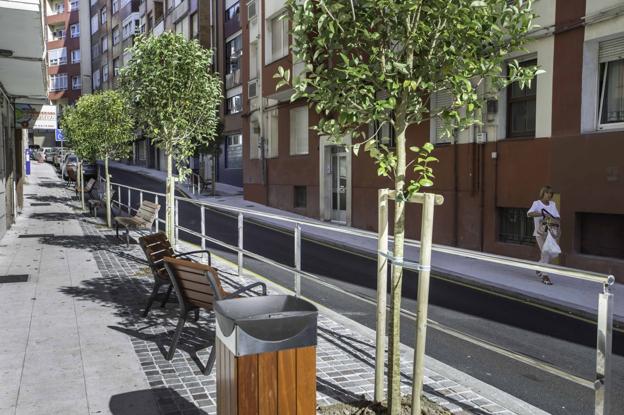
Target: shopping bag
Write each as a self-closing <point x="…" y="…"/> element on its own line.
<point x="551" y="247"/>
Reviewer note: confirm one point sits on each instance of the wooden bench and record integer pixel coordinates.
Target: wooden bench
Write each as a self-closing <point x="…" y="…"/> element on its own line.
<point x="156" y="247"/>
<point x="197" y="286"/>
<point x="86" y="189"/>
<point x="98" y="200"/>
<point x="143" y="219"/>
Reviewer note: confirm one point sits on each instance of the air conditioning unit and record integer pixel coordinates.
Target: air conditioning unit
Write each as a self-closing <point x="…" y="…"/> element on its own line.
<point x="252" y="89"/>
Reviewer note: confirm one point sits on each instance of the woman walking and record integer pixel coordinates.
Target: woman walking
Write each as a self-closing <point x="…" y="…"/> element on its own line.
<point x="546" y="219"/>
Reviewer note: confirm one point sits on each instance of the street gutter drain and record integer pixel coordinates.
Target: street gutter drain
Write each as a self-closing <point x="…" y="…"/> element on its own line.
<point x="37" y="235"/>
<point x="5" y="279"/>
<point x="40" y="204"/>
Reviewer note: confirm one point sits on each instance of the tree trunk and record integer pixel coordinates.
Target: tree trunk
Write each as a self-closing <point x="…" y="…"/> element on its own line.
<point x="170" y="201"/>
<point x="108" y="193"/>
<point x="213" y="171"/>
<point x="82" y="186"/>
<point x="394" y="344"/>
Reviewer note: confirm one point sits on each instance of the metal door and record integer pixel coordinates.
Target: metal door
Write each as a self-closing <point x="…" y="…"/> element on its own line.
<point x="339" y="187"/>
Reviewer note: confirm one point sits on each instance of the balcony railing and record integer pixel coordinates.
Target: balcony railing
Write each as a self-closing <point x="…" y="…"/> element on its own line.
<point x="233" y="79"/>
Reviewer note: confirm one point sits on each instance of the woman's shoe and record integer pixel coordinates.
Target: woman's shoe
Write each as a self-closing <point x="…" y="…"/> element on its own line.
<point x="546" y="280"/>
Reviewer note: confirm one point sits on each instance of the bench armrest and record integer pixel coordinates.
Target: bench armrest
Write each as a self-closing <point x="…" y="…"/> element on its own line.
<point x="247" y="288"/>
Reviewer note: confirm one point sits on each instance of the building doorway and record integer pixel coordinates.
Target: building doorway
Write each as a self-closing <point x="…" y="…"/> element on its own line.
<point x="339" y="184"/>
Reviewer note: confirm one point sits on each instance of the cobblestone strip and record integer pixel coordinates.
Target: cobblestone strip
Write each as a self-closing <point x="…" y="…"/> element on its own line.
<point x="345" y="359"/>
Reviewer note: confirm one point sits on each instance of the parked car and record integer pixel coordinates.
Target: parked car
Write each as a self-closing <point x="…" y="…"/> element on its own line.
<point x="59" y="156"/>
<point x="89" y="170"/>
<point x="70" y="163"/>
<point x="49" y="155"/>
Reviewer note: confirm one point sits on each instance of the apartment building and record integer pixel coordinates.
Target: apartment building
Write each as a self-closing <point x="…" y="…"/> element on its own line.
<point x="22" y="83"/>
<point x="567" y="130"/>
<point x="64" y="56"/>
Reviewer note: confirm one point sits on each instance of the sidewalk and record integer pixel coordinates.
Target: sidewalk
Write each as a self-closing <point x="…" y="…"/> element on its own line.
<point x="75" y="342"/>
<point x="567" y="294"/>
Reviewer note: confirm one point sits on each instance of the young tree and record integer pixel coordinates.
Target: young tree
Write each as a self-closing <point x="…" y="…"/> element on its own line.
<point x="100" y="126"/>
<point x="379" y="62"/>
<point x="175" y="95"/>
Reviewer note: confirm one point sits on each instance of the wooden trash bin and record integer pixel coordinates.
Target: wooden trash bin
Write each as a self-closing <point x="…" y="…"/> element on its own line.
<point x="266" y="356"/>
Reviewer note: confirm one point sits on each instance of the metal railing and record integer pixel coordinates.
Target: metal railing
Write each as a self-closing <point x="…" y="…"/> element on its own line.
<point x="602" y="381"/>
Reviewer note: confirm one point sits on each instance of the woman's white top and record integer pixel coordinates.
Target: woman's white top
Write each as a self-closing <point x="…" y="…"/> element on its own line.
<point x="537" y="206"/>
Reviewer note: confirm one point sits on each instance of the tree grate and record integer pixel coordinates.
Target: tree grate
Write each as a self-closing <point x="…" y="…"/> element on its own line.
<point x="37" y="235"/>
<point x="5" y="279"/>
<point x="40" y="204"/>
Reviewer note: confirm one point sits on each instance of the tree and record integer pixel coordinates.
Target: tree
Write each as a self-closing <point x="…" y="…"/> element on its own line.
<point x="100" y="126"/>
<point x="379" y="62"/>
<point x="175" y="96"/>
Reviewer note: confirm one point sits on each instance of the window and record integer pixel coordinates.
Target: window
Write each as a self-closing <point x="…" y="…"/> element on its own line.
<point x="115" y="6"/>
<point x="234" y="104"/>
<point x="514" y="226"/>
<point x="278" y="37"/>
<point x="194" y="25"/>
<point x="57" y="8"/>
<point x="104" y="43"/>
<point x="58" y="82"/>
<point x="300" y="198"/>
<point x="251" y="10"/>
<point x="105" y="72"/>
<point x="116" y="67"/>
<point x="57" y="33"/>
<point x="94" y="23"/>
<point x="57" y="56"/>
<point x="232" y="12"/>
<point x="74" y="5"/>
<point x="76" y="82"/>
<point x="521" y="107"/>
<point x="74" y="30"/>
<point x="103" y="16"/>
<point x="75" y="56"/>
<point x="95" y="50"/>
<point x="93" y="2"/>
<point x="116" y="38"/>
<point x="611" y="100"/>
<point x="233" y="53"/>
<point x="97" y="83"/>
<point x="254" y="140"/>
<point x="601" y="234"/>
<point x="384" y="133"/>
<point x="438" y="131"/>
<point x="253" y="60"/>
<point x="299" y="130"/>
<point x="124" y="3"/>
<point x="131" y="26"/>
<point x="271" y="133"/>
<point x="234" y="151"/>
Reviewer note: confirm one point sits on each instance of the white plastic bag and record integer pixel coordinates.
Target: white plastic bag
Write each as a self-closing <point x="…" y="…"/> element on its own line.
<point x="551" y="247"/>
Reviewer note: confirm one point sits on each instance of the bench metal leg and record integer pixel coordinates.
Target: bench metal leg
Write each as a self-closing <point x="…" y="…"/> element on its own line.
<point x="211" y="361"/>
<point x="164" y="302"/>
<point x="196" y="314"/>
<point x="176" y="337"/>
<point x="127" y="238"/>
<point x="151" y="299"/>
<point x="117" y="230"/>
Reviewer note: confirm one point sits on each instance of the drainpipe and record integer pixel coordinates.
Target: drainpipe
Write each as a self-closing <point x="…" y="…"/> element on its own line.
<point x="263" y="159"/>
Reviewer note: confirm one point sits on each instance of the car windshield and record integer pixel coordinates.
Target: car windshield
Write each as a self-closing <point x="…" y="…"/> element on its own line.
<point x="72" y="159"/>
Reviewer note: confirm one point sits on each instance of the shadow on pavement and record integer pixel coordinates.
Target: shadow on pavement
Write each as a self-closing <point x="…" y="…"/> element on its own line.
<point x="142" y="402"/>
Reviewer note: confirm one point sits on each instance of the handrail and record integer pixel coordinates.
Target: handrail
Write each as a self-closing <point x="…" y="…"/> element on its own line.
<point x="591" y="276"/>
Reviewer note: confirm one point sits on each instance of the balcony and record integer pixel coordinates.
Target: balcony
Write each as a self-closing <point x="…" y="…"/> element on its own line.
<point x="159" y="28"/>
<point x="233" y="79"/>
<point x="180" y="10"/>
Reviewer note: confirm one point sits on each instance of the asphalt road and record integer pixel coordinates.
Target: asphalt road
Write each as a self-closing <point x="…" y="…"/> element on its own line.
<point x="556" y="339"/>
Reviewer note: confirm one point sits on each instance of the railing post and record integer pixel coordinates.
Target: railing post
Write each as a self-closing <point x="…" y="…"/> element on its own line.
<point x="129" y="204"/>
<point x="603" y="382"/>
<point x="157" y="219"/>
<point x="203" y="228"/>
<point x="119" y="197"/>
<point x="240" y="244"/>
<point x="426" y="235"/>
<point x="140" y="197"/>
<point x="298" y="259"/>
<point x="382" y="282"/>
<point x="177" y="213"/>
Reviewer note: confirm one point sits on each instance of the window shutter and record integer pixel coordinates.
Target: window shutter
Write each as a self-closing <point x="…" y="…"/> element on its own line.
<point x="440" y="99"/>
<point x="611" y="50"/>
